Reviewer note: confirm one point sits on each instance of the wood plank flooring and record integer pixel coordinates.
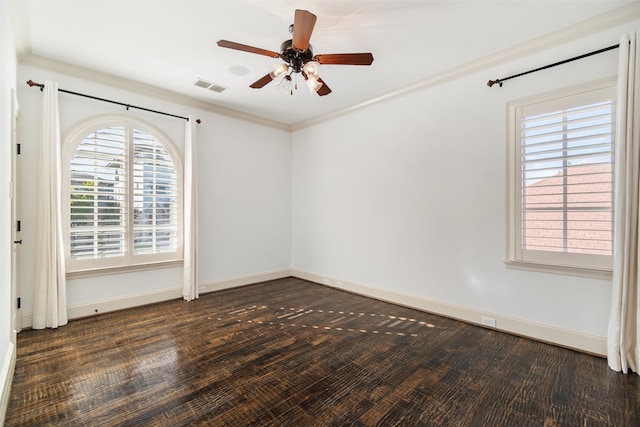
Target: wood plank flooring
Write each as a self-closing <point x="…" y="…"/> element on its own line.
<point x="293" y="353"/>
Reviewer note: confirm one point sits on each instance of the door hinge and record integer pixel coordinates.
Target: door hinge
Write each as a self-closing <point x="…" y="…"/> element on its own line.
<point x="18" y="149"/>
<point x="19" y="302"/>
<point x="18" y="225"/>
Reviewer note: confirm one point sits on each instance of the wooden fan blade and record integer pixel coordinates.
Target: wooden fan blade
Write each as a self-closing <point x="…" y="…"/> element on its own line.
<point x="246" y="48"/>
<point x="261" y="82"/>
<point x="303" y="24"/>
<point x="324" y="89"/>
<point x="345" y="58"/>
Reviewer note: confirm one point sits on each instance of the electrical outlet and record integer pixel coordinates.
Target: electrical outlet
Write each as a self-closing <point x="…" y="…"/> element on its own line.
<point x="326" y="281"/>
<point x="488" y="321"/>
<point x="339" y="285"/>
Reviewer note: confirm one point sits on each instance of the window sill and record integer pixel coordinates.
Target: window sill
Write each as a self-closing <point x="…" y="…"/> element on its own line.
<point x="120" y="270"/>
<point x="559" y="269"/>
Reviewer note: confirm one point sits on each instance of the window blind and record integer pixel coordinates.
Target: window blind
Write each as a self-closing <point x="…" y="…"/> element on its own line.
<point x="97" y="195"/>
<point x="155" y="196"/>
<point x="567" y="179"/>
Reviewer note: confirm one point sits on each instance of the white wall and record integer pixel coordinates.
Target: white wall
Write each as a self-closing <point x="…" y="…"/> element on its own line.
<point x="7" y="83"/>
<point x="405" y="200"/>
<point x="244" y="179"/>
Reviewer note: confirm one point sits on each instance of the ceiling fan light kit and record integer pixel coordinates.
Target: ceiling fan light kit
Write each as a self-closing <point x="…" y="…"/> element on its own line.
<point x="285" y="85"/>
<point x="278" y="70"/>
<point x="311" y="68"/>
<point x="313" y="84"/>
<point x="298" y="58"/>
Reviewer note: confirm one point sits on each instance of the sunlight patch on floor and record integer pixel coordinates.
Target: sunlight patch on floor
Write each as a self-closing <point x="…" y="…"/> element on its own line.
<point x="322" y="319"/>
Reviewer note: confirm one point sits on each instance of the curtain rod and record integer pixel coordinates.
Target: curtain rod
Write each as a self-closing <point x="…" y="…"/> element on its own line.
<point x="31" y="83"/>
<point x="490" y="83"/>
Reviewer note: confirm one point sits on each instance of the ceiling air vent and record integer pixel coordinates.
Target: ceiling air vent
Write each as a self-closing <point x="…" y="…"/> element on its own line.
<point x="210" y="85"/>
<point x="217" y="88"/>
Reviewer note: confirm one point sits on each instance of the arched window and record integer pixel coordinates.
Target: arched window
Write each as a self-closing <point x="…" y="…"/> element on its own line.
<point x="122" y="193"/>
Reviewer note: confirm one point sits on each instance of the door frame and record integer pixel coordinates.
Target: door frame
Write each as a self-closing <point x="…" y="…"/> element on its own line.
<point x="16" y="314"/>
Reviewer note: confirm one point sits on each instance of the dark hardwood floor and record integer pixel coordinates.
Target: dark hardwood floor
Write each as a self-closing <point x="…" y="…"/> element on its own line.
<point x="293" y="353"/>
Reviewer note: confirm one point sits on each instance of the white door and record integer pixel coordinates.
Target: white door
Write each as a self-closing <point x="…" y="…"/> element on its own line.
<point x="16" y="315"/>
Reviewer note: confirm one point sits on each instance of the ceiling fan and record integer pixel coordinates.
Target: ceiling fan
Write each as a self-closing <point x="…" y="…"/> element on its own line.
<point x="298" y="57"/>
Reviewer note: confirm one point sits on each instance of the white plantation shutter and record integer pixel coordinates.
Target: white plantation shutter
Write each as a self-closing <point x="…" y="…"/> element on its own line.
<point x="97" y="196"/>
<point x="155" y="196"/>
<point x="124" y="199"/>
<point x="563" y="167"/>
<point x="567" y="196"/>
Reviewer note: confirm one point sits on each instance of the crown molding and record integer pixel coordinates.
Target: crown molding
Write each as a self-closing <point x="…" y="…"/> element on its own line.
<point x="603" y="22"/>
<point x="94" y="76"/>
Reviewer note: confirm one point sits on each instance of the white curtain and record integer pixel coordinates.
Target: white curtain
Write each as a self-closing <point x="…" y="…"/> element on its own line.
<point x="623" y="339"/>
<point x="190" y="281"/>
<point x="50" y="301"/>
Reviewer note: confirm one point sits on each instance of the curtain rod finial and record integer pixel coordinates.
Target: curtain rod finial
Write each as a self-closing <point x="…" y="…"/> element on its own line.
<point x="31" y="83"/>
<point x="490" y="83"/>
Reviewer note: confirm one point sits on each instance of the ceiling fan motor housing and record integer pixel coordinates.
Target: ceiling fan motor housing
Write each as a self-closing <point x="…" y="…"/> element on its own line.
<point x="294" y="57"/>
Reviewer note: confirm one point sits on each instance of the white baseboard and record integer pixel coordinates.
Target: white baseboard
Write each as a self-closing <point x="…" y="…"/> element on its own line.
<point x="105" y="306"/>
<point x="244" y="280"/>
<point x="6" y="378"/>
<point x="563" y="337"/>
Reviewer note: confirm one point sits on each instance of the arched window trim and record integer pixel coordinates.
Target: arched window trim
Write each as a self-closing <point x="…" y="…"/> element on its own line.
<point x="71" y="140"/>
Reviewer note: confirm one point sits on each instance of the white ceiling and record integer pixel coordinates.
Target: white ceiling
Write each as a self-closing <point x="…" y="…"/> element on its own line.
<point x="170" y="44"/>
